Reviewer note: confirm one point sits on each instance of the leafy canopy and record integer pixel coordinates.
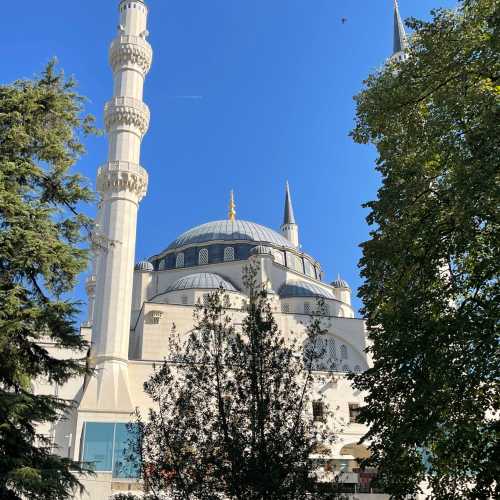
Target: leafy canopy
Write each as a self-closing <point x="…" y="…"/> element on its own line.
<point x="41" y="255"/>
<point x="431" y="290"/>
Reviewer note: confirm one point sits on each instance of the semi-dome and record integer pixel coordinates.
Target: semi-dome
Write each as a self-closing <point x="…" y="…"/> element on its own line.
<point x="228" y="230"/>
<point x="144" y="265"/>
<point x="204" y="281"/>
<point x="303" y="289"/>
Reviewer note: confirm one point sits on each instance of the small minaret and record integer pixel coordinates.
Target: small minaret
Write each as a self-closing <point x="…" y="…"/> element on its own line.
<point x="400" y="38"/>
<point x="289" y="228"/>
<point x="121" y="183"/>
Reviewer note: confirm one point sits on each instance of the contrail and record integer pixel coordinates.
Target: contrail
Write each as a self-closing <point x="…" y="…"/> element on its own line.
<point x="186" y="97"/>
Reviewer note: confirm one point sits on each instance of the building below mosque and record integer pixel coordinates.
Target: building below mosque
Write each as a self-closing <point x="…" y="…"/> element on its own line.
<point x="132" y="309"/>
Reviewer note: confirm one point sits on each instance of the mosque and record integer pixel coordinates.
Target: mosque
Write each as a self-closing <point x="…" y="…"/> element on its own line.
<point x="133" y="306"/>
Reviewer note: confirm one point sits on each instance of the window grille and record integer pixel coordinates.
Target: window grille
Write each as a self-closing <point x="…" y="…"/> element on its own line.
<point x="354" y="411"/>
<point x="203" y="257"/>
<point x="318" y="411"/>
<point x="343" y="351"/>
<point x="307" y="308"/>
<point x="228" y="254"/>
<point x="156" y="317"/>
<point x="331" y="348"/>
<point x="285" y="308"/>
<point x="205" y="299"/>
<point x="179" y="260"/>
<point x="346" y="368"/>
<point x="357" y="369"/>
<point x="184" y="300"/>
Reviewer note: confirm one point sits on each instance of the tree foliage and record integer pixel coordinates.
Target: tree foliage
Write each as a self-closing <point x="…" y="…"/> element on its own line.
<point x="40" y="257"/>
<point x="230" y="417"/>
<point x="431" y="290"/>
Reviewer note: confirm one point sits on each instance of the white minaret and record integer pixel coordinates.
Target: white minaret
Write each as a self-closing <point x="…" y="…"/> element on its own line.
<point x="400" y="38"/>
<point x="121" y="183"/>
<point x="289" y="228"/>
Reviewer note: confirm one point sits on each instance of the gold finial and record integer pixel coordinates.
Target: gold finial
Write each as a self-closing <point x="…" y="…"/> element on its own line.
<point x="232" y="207"/>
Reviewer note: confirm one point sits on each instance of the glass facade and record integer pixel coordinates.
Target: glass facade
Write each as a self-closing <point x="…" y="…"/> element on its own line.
<point x="110" y="447"/>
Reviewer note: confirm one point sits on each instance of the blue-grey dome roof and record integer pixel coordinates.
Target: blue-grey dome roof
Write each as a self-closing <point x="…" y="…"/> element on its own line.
<point x="144" y="265"/>
<point x="303" y="289"/>
<point x="261" y="250"/>
<point x="207" y="281"/>
<point x="227" y="230"/>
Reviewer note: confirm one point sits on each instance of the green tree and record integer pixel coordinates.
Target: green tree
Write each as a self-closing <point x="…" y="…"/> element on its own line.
<point x="40" y="257"/>
<point x="230" y="417"/>
<point x="431" y="290"/>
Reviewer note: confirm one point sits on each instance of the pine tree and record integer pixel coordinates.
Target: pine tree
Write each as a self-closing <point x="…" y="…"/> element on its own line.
<point x="41" y="254"/>
<point x="431" y="289"/>
<point x="230" y="417"/>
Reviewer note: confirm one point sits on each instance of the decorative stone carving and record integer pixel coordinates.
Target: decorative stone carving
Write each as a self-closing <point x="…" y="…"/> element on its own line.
<point x="134" y="51"/>
<point x="119" y="176"/>
<point x="126" y="111"/>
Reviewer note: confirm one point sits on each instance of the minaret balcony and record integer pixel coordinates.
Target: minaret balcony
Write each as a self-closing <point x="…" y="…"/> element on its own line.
<point x="90" y="285"/>
<point x="126" y="113"/>
<point x="123" y="178"/>
<point x="131" y="52"/>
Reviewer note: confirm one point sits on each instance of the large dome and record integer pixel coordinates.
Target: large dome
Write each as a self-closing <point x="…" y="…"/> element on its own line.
<point x="226" y="230"/>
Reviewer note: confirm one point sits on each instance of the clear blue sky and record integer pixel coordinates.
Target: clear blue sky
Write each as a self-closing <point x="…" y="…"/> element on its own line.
<point x="275" y="79"/>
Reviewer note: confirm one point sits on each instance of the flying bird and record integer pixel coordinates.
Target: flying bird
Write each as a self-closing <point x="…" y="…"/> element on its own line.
<point x="344" y="20"/>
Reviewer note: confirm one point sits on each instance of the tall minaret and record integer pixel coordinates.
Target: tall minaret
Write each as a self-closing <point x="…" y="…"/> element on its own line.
<point x="121" y="183"/>
<point x="400" y="38"/>
<point x="289" y="228"/>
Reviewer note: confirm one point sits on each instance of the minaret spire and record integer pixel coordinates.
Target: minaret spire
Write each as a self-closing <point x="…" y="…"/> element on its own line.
<point x="400" y="38"/>
<point x="289" y="217"/>
<point x="232" y="207"/>
<point x="289" y="228"/>
<point x="122" y="183"/>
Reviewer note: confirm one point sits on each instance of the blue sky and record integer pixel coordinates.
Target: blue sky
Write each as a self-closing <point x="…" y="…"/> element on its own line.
<point x="273" y="80"/>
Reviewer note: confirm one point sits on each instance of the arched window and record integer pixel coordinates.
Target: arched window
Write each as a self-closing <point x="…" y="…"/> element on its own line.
<point x="307" y="308"/>
<point x="343" y="351"/>
<point x="203" y="257"/>
<point x="228" y="254"/>
<point x="179" y="260"/>
<point x="285" y="308"/>
<point x="357" y="369"/>
<point x="346" y="368"/>
<point x="331" y="351"/>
